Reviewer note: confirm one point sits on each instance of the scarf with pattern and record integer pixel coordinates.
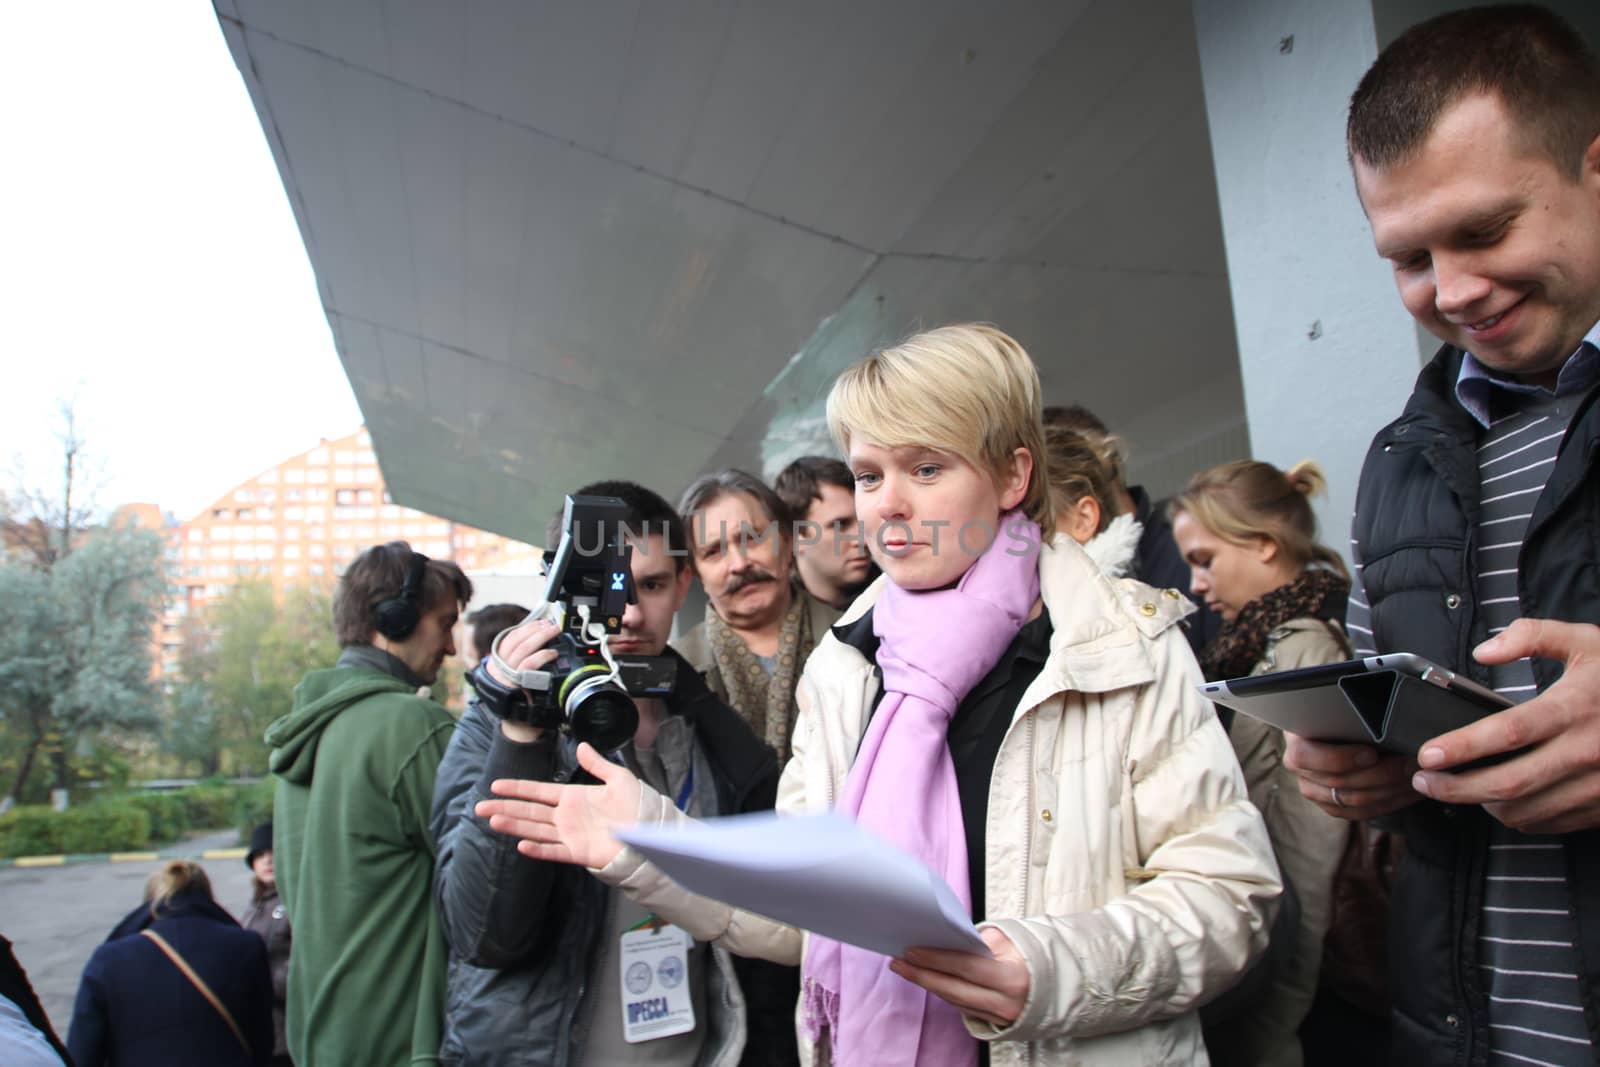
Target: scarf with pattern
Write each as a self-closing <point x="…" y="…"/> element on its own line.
<point x="765" y="700"/>
<point x="1240" y="644"/>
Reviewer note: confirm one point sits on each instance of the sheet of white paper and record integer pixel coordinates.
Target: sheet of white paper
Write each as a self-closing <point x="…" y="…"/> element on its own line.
<point x="822" y="873"/>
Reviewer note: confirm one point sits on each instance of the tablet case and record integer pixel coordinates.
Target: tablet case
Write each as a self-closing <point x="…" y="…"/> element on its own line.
<point x="1394" y="710"/>
<point x="1400" y="711"/>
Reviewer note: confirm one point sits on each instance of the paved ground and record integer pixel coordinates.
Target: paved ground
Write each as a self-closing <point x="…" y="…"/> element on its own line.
<point x="57" y="915"/>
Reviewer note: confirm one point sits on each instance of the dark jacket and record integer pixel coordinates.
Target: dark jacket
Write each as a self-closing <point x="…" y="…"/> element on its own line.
<point x="267" y="916"/>
<point x="1415" y="525"/>
<point x="522" y="933"/>
<point x="136" y="1008"/>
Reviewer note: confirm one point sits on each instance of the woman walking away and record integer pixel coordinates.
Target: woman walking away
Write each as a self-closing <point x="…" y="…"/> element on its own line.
<point x="1248" y="533"/>
<point x="178" y="983"/>
<point x="1026" y="726"/>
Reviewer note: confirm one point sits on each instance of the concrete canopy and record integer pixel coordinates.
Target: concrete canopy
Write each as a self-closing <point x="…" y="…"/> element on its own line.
<point x="562" y="242"/>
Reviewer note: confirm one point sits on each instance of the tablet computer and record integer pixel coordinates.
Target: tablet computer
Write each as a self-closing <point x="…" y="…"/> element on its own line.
<point x="1395" y="701"/>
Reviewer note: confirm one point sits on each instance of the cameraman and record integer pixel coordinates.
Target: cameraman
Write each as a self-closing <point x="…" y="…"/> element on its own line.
<point x="534" y="971"/>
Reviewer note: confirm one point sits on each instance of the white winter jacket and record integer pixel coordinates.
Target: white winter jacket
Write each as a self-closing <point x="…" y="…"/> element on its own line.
<point x="1122" y="855"/>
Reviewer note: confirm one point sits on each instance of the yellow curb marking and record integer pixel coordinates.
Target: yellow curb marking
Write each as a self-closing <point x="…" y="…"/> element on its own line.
<point x="41" y="861"/>
<point x="224" y="853"/>
<point x="134" y="857"/>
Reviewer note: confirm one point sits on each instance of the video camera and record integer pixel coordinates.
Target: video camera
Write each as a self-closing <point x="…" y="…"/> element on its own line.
<point x="586" y="692"/>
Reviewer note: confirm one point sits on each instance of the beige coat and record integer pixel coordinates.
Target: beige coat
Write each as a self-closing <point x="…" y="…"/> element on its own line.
<point x="1122" y="855"/>
<point x="1308" y="843"/>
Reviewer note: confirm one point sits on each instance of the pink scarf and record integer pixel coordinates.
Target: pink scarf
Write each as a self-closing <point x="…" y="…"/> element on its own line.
<point x="935" y="646"/>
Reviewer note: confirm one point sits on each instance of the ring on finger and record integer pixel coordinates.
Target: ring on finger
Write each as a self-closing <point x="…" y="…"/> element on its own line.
<point x="1338" y="801"/>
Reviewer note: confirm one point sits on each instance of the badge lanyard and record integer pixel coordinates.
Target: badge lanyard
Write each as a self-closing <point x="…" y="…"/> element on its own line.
<point x="687" y="790"/>
<point x="656" y="1000"/>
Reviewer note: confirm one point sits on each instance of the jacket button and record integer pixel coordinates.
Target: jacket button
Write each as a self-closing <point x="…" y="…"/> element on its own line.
<point x="1453" y="601"/>
<point x="1046" y="816"/>
<point x="1452" y="1020"/>
<point x="1147" y="610"/>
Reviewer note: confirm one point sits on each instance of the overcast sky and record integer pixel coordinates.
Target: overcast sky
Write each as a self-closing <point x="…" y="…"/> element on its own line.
<point x="149" y="263"/>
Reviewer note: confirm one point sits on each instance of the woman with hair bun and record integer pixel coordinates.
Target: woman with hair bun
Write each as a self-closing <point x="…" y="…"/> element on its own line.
<point x="1248" y="533"/>
<point x="178" y="982"/>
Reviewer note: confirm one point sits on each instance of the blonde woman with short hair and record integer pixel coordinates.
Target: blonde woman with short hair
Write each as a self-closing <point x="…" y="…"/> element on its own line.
<point x="997" y="707"/>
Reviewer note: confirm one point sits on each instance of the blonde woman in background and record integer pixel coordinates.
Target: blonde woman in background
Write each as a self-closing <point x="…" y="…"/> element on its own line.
<point x="1247" y="531"/>
<point x="178" y="983"/>
<point x="1083" y="494"/>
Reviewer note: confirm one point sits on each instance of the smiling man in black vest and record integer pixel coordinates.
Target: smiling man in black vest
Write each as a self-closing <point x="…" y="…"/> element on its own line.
<point x="1475" y="140"/>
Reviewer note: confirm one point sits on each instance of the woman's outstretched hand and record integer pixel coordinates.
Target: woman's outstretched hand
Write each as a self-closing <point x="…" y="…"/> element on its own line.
<point x="566" y="823"/>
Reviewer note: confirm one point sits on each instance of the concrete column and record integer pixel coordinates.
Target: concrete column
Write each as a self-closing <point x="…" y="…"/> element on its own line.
<point x="1327" y="353"/>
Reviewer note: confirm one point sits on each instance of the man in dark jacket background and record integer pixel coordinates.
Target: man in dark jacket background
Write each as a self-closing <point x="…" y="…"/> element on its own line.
<point x="534" y="946"/>
<point x="1475" y="140"/>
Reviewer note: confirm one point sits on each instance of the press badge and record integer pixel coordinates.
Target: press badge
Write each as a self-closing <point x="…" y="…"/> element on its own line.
<point x="655" y="982"/>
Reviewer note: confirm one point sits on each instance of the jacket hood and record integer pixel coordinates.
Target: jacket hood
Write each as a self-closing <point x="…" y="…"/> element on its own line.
<point x="1113" y="548"/>
<point x="318" y="700"/>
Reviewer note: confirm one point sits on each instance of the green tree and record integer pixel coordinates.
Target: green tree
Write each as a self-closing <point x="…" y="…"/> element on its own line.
<point x="75" y="655"/>
<point x="192" y="734"/>
<point x="239" y="672"/>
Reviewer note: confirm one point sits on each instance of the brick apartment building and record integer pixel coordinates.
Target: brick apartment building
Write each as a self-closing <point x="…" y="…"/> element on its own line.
<point x="300" y="523"/>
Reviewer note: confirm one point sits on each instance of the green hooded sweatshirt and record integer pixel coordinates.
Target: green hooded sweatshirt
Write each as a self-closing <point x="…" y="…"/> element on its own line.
<point x="354" y="858"/>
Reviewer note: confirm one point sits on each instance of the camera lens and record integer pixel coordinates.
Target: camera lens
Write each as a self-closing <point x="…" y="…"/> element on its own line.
<point x="598" y="710"/>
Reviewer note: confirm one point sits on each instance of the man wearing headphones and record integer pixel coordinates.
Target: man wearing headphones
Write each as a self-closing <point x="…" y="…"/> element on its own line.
<point x="355" y="761"/>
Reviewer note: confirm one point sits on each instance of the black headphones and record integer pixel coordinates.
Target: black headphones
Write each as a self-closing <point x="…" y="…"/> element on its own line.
<point x="396" y="618"/>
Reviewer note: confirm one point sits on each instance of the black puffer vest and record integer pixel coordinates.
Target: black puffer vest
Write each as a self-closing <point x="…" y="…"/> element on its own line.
<point x="1416" y="520"/>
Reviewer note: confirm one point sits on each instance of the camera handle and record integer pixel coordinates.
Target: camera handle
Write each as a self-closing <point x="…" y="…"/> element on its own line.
<point x="539" y="681"/>
<point x="576" y="776"/>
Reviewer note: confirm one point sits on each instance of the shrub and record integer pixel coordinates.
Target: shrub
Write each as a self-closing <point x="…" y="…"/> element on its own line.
<point x="33" y="830"/>
<point x="206" y="806"/>
<point x="103" y="826"/>
<point x="168" y="818"/>
<point x="253" y="805"/>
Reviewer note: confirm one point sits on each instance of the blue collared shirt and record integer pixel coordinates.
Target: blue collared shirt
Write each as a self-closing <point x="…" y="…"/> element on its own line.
<point x="1477" y="383"/>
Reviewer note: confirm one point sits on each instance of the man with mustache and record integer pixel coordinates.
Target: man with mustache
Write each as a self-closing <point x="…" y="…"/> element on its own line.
<point x="761" y="626"/>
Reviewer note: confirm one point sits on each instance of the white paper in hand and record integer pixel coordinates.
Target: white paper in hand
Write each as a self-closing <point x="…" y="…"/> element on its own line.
<point x="822" y="873"/>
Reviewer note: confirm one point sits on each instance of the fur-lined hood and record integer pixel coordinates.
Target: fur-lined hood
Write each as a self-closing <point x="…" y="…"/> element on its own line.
<point x="1114" y="548"/>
